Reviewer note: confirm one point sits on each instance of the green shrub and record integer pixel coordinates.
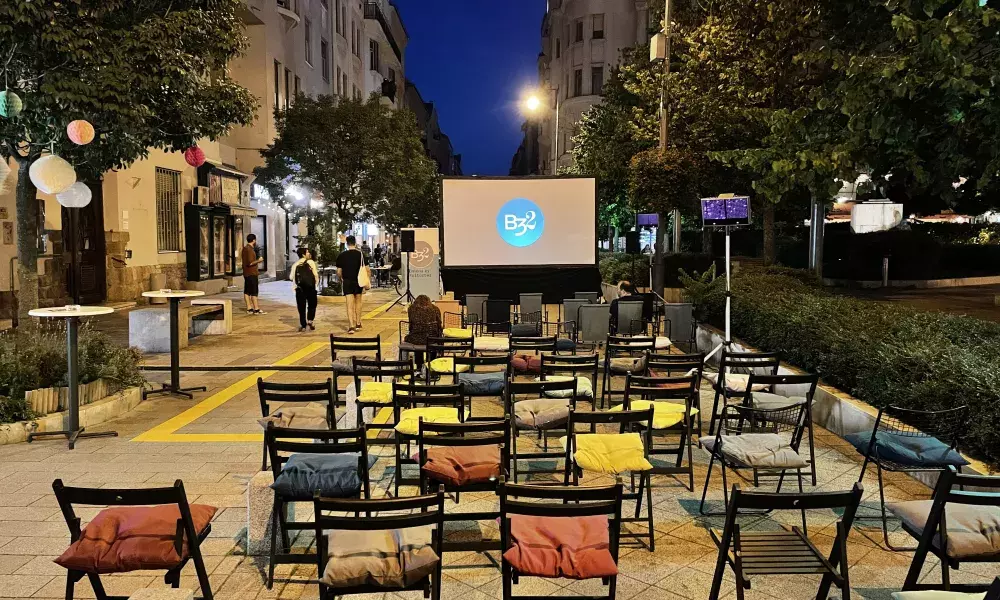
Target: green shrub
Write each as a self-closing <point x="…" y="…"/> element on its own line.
<point x="882" y="353"/>
<point x="617" y="267"/>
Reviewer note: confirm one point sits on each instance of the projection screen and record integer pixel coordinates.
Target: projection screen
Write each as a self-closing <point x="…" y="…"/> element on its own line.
<point x="513" y="222"/>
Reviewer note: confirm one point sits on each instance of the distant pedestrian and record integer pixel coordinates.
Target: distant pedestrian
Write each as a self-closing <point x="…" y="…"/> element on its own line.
<point x="251" y="276"/>
<point x="378" y="254"/>
<point x="366" y="249"/>
<point x="304" y="275"/>
<point x="349" y="265"/>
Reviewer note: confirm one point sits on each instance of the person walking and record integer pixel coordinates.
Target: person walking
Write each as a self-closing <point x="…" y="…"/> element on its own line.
<point x="377" y="255"/>
<point x="251" y="275"/>
<point x="304" y="276"/>
<point x="349" y="265"/>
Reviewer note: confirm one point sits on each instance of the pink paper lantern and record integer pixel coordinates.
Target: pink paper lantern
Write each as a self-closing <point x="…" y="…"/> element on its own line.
<point x="80" y="132"/>
<point x="194" y="156"/>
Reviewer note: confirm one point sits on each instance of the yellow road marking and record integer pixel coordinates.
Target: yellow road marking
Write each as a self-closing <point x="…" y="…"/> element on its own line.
<point x="377" y="311"/>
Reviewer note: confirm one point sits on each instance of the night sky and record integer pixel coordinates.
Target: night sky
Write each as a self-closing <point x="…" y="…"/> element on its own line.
<point x="473" y="59"/>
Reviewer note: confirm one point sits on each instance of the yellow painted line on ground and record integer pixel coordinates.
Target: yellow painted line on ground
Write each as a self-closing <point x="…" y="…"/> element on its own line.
<point x="377" y="311"/>
<point x="166" y="431"/>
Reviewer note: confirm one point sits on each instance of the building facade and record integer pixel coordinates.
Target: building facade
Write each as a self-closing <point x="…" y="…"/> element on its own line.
<point x="436" y="143"/>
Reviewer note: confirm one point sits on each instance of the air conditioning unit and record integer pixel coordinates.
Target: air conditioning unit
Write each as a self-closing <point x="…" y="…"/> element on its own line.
<point x="199" y="196"/>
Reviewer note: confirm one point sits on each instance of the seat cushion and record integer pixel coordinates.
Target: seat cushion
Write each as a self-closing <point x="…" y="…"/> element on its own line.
<point x="570" y="547"/>
<point x="310" y="416"/>
<point x="446" y="364"/>
<point x="379" y="392"/>
<point x="133" y="538"/>
<point x="735" y="382"/>
<point x="762" y="450"/>
<point x="457" y="332"/>
<point x="907" y="450"/>
<point x="391" y="559"/>
<point x="937" y="595"/>
<point x="482" y="384"/>
<point x="526" y="363"/>
<point x="463" y="465"/>
<point x="665" y="414"/>
<point x="489" y="343"/>
<point x="409" y="420"/>
<point x="584" y="387"/>
<point x="565" y="345"/>
<point x="662" y="342"/>
<point x="334" y="475"/>
<point x="973" y="531"/>
<point x="610" y="453"/>
<point x="541" y="413"/>
<point x="343" y="366"/>
<point x="769" y="401"/>
<point x="627" y="364"/>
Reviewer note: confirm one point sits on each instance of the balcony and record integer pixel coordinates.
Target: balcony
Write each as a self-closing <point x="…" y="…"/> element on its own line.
<point x="372" y="11"/>
<point x="288" y="10"/>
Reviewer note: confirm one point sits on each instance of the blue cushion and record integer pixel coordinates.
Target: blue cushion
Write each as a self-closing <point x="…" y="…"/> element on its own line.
<point x="565" y="345"/>
<point x="334" y="475"/>
<point x="913" y="451"/>
<point x="481" y="384"/>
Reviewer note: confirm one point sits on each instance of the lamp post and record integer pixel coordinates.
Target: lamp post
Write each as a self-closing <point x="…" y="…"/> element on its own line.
<point x="531" y="106"/>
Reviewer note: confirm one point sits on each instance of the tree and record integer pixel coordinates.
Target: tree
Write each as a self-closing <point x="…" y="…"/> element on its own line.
<point x="146" y="74"/>
<point x="364" y="159"/>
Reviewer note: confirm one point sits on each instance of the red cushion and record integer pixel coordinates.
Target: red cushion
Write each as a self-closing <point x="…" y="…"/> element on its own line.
<point x="570" y="547"/>
<point x="133" y="538"/>
<point x="462" y="465"/>
<point x="526" y="363"/>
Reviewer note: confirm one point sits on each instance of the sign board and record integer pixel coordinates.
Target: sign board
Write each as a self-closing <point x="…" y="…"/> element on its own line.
<point x="423" y="264"/>
<point x="725" y="211"/>
<point x="877" y="215"/>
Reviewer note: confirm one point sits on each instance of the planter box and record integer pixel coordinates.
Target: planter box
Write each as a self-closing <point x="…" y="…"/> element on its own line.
<point x="45" y="401"/>
<point x="95" y="413"/>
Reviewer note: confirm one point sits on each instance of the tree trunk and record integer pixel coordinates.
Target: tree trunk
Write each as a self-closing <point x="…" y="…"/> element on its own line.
<point x="658" y="268"/>
<point x="706" y="241"/>
<point x="27" y="243"/>
<point x="770" y="252"/>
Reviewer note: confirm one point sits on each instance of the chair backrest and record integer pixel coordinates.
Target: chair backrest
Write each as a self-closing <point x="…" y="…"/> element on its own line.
<point x="530" y="308"/>
<point x="497" y="317"/>
<point x="762" y="363"/>
<point x="628" y="345"/>
<point x="947" y="425"/>
<point x="744" y="502"/>
<point x="648" y="304"/>
<point x="681" y="318"/>
<point x="475" y="362"/>
<point x="957" y="488"/>
<point x="630" y="320"/>
<point x="590" y="297"/>
<point x="444" y="346"/>
<point x="785" y="379"/>
<point x="627" y="420"/>
<point x="379" y="370"/>
<point x="639" y="387"/>
<point x="285" y="393"/>
<point x="408" y="395"/>
<point x="593" y="322"/>
<point x="566" y="329"/>
<point x="572" y="365"/>
<point x="672" y="365"/>
<point x="356" y="345"/>
<point x="474" y="307"/>
<point x="282" y="442"/>
<point x="464" y="435"/>
<point x="533" y="344"/>
<point x="525" y="390"/>
<point x="571" y="308"/>
<point x="739" y="419"/>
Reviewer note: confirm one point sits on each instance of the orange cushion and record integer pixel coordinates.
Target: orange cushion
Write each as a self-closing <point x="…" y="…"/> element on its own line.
<point x="133" y="538"/>
<point x="526" y="363"/>
<point x="463" y="465"/>
<point x="570" y="547"/>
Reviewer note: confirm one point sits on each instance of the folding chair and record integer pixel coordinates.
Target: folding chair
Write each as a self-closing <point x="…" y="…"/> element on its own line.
<point x="571" y="309"/>
<point x="304" y="461"/>
<point x="623" y="355"/>
<point x="575" y="529"/>
<point x="734" y="371"/>
<point x="565" y="333"/>
<point x="342" y="351"/>
<point x="956" y="525"/>
<point x="530" y="309"/>
<point x="593" y="324"/>
<point x="86" y="555"/>
<point x="764" y="441"/>
<point x="671" y="399"/>
<point x="770" y="399"/>
<point x="615" y="454"/>
<point x="298" y="417"/>
<point x="629" y="320"/>
<point x="464" y="457"/>
<point x="535" y="344"/>
<point x="475" y="309"/>
<point x="784" y="552"/>
<point x="993" y="593"/>
<point x="349" y="547"/>
<point x="678" y="365"/>
<point x="581" y="368"/>
<point x="413" y="403"/>
<point x="440" y="354"/>
<point x="542" y="407"/>
<point x="590" y="297"/>
<point x="377" y="392"/>
<point x="476" y="382"/>
<point x="497" y="317"/>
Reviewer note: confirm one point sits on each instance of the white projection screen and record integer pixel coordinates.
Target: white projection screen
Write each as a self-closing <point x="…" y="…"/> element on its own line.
<point x="515" y="222"/>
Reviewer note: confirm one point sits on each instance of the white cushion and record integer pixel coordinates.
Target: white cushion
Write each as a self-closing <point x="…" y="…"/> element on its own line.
<point x="488" y="343"/>
<point x="937" y="595"/>
<point x="662" y="342"/>
<point x="769" y="401"/>
<point x="584" y="387"/>
<point x="736" y="382"/>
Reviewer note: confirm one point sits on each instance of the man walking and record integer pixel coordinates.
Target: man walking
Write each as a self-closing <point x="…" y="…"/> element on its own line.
<point x="349" y="264"/>
<point x="304" y="275"/>
<point x="251" y="276"/>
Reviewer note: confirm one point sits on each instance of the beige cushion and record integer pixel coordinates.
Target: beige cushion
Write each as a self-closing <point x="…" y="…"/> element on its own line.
<point x="541" y="413"/>
<point x="391" y="559"/>
<point x="661" y="342"/>
<point x="310" y="416"/>
<point x="769" y="401"/>
<point x="937" y="595"/>
<point x="489" y="343"/>
<point x="584" y="387"/>
<point x="628" y="364"/>
<point x="762" y="450"/>
<point x="735" y="382"/>
<point x="973" y="531"/>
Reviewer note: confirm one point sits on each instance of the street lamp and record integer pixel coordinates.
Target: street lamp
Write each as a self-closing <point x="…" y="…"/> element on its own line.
<point x="531" y="106"/>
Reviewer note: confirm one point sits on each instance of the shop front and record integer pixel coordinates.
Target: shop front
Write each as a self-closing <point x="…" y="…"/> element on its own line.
<point x="216" y="224"/>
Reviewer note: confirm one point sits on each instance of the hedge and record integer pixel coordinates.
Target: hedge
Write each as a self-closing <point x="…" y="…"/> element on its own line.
<point x="882" y="353"/>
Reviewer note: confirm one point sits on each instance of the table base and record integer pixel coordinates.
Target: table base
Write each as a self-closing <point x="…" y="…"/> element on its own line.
<point x="179" y="391"/>
<point x="72" y="436"/>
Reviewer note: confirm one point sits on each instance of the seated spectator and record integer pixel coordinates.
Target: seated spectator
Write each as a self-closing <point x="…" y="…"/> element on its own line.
<point x="626" y="293"/>
<point x="425" y="322"/>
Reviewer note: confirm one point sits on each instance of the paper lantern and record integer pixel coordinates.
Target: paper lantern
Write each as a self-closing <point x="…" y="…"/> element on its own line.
<point x="80" y="132"/>
<point x="52" y="174"/>
<point x="10" y="104"/>
<point x="194" y="156"/>
<point x="77" y="195"/>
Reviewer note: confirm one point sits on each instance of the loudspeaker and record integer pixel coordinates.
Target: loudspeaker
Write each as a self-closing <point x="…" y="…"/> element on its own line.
<point x="631" y="242"/>
<point x="408" y="241"/>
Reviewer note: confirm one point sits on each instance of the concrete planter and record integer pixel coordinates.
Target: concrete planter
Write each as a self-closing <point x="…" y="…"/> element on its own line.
<point x="95" y="413"/>
<point x="45" y="401"/>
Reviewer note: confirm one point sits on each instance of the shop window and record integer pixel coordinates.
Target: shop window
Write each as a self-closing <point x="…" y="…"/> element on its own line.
<point x="168" y="202"/>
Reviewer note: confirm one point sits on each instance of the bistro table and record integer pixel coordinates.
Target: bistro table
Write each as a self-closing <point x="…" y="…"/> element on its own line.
<point x="174" y="387"/>
<point x="381" y="275"/>
<point x="72" y="315"/>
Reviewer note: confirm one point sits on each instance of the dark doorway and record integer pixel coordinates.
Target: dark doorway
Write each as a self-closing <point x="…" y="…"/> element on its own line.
<point x="258" y="227"/>
<point x="83" y="232"/>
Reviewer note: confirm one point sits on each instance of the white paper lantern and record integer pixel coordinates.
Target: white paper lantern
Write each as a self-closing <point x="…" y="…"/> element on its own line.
<point x="52" y="174"/>
<point x="75" y="196"/>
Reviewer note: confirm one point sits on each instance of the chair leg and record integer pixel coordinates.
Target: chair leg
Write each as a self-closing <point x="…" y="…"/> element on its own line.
<point x="263" y="460"/>
<point x="812" y="456"/>
<point x="98" y="586"/>
<point x="715" y="412"/>
<point x="708" y="479"/>
<point x="274" y="542"/>
<point x="69" y="585"/>
<point x="649" y="510"/>
<point x="720" y="571"/>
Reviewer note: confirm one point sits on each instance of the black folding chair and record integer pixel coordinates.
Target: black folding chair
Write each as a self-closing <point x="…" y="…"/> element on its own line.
<point x="497" y="317"/>
<point x="731" y="379"/>
<point x="665" y="364"/>
<point x="441" y="351"/>
<point x="342" y="351"/>
<point x="188" y="538"/>
<point x="410" y="402"/>
<point x="536" y="344"/>
<point x="542" y="407"/>
<point x="671" y="399"/>
<point x="770" y="399"/>
<point x="582" y="368"/>
<point x="294" y="393"/>
<point x="381" y="373"/>
<point x="481" y="377"/>
<point x="623" y="355"/>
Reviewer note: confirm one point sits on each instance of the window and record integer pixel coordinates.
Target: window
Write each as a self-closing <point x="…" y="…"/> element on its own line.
<point x="337" y="82"/>
<point x="578" y="25"/>
<point x="336" y="17"/>
<point x="168" y="206"/>
<point x="288" y="88"/>
<point x="578" y="82"/>
<point x="298" y="85"/>
<point x="277" y="84"/>
<point x="596" y="80"/>
<point x="598" y="27"/>
<point x="344" y="88"/>
<point x="324" y="51"/>
<point x="308" y="34"/>
<point x="354" y="40"/>
<point x="373" y="57"/>
<point x="558" y="48"/>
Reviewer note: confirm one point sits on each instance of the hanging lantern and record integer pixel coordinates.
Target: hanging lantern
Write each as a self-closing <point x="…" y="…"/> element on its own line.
<point x="77" y="195"/>
<point x="6" y="178"/>
<point x="10" y="104"/>
<point x="52" y="174"/>
<point x="80" y="132"/>
<point x="194" y="156"/>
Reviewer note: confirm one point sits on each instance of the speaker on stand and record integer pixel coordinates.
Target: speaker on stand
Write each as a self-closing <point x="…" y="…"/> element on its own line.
<point x="407" y="245"/>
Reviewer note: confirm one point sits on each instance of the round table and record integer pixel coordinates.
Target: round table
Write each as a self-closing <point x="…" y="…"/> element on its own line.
<point x="174" y="387"/>
<point x="72" y="316"/>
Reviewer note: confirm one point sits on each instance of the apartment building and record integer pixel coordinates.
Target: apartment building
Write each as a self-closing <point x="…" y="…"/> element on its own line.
<point x="436" y="143"/>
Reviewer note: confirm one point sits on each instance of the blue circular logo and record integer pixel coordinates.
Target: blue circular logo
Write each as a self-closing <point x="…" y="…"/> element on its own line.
<point x="520" y="222"/>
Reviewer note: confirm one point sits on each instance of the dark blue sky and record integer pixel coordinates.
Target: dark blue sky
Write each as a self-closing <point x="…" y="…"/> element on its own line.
<point x="473" y="59"/>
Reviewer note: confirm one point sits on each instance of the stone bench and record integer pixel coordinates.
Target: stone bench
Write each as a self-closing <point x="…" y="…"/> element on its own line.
<point x="149" y="328"/>
<point x="162" y="593"/>
<point x="211" y="316"/>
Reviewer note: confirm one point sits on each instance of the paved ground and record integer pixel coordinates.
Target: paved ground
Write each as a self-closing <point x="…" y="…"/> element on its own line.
<point x="975" y="301"/>
<point x="213" y="445"/>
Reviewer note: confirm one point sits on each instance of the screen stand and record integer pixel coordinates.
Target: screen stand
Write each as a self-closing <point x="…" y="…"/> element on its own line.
<point x="406" y="297"/>
<point x="727" y="342"/>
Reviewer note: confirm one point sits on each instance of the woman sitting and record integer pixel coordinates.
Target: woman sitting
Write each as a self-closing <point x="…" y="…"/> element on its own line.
<point x="425" y="322"/>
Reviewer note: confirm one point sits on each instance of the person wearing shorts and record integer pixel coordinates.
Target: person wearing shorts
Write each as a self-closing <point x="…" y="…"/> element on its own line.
<point x="349" y="264"/>
<point x="251" y="275"/>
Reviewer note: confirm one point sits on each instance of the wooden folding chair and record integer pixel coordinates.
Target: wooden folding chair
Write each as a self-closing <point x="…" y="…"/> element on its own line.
<point x="294" y="393"/>
<point x="675" y="393"/>
<point x="731" y="379"/>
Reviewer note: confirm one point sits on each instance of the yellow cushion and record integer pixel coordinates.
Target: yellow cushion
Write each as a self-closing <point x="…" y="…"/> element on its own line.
<point x="409" y="420"/>
<point x="457" y="332"/>
<point x="376" y="391"/>
<point x="584" y="387"/>
<point x="610" y="453"/>
<point x="665" y="414"/>
<point x="446" y="364"/>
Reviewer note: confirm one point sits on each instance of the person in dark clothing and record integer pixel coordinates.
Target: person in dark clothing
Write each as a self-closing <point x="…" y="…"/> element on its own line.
<point x="304" y="276"/>
<point x="377" y="255"/>
<point x="425" y="322"/>
<point x="626" y="293"/>
<point x="251" y="275"/>
<point x="349" y="265"/>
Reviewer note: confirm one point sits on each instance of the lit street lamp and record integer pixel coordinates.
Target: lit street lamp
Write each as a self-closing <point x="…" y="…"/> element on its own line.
<point x="531" y="106"/>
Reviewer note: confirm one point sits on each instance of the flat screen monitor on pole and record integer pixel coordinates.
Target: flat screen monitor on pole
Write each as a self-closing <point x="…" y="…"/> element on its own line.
<point x="725" y="212"/>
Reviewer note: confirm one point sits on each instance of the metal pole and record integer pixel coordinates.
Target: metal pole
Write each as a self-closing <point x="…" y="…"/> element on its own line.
<point x="729" y="337"/>
<point x="664" y="114"/>
<point x="74" y="258"/>
<point x="677" y="231"/>
<point x="175" y="345"/>
<point x="73" y="398"/>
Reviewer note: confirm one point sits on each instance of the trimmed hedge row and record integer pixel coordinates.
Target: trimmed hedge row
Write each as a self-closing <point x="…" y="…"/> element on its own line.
<point x="882" y="353"/>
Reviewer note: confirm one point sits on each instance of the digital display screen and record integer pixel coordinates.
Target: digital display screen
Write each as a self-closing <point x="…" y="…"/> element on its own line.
<point x="717" y="212"/>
